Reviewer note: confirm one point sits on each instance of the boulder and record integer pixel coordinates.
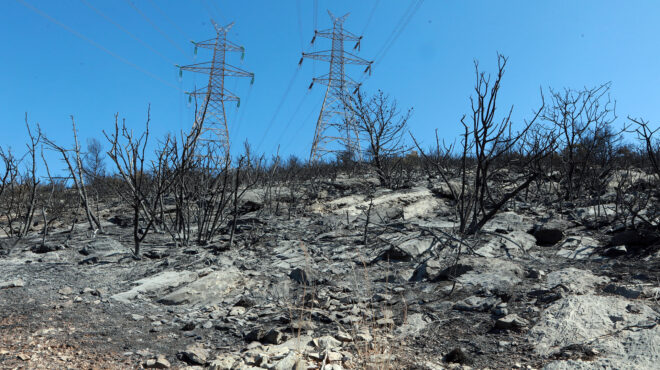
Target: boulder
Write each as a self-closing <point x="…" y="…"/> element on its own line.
<point x="303" y="276"/>
<point x="6" y="246"/>
<point x="155" y="284"/>
<point x="254" y="335"/>
<point x="596" y="213"/>
<point x="431" y="269"/>
<point x="492" y="274"/>
<point x="104" y="250"/>
<point x="250" y="205"/>
<point x="416" y="247"/>
<point x="327" y="342"/>
<point x="624" y="291"/>
<point x="407" y="203"/>
<point x="601" y="322"/>
<point x="408" y="250"/>
<point x="508" y="221"/>
<point x="443" y="190"/>
<point x="16" y="283"/>
<point x="578" y="247"/>
<point x="472" y="272"/>
<point x="513" y="244"/>
<point x="223" y="362"/>
<point x="289" y="362"/>
<point x="208" y="290"/>
<point x="635" y="241"/>
<point x="121" y="220"/>
<point x="65" y="290"/>
<point x="511" y="321"/>
<point x="344" y="337"/>
<point x="159" y="362"/>
<point x="477" y="304"/>
<point x="575" y="280"/>
<point x="639" y="238"/>
<point x="412" y="326"/>
<point x="194" y="355"/>
<point x="614" y="252"/>
<point x="273" y="336"/>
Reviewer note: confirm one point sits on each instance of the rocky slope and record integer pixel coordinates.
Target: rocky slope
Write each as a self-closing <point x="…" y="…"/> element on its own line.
<point x="535" y="289"/>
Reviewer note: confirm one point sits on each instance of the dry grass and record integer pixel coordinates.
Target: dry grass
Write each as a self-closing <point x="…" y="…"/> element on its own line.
<point x="51" y="346"/>
<point x="374" y="344"/>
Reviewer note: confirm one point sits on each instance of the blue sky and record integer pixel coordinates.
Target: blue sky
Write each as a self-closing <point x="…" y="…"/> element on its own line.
<point x="95" y="58"/>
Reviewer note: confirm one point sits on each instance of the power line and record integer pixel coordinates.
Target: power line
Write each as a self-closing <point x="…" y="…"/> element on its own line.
<point x="97" y="11"/>
<point x="216" y="9"/>
<point x="153" y="25"/>
<point x="405" y="24"/>
<point x="208" y="9"/>
<point x="181" y="100"/>
<point x="286" y="93"/>
<point x="279" y="107"/>
<point x="168" y="19"/>
<point x="300" y="28"/>
<point x="95" y="44"/>
<point x="394" y="31"/>
<point x="293" y="77"/>
<point x="295" y="112"/>
<point x="284" y="97"/>
<point x="212" y="10"/>
<point x="241" y="114"/>
<point x="234" y="109"/>
<point x="316" y="10"/>
<point x="299" y="128"/>
<point x="371" y="15"/>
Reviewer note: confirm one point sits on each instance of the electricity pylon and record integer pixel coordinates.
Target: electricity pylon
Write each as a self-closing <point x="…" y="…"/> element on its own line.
<point x="334" y="124"/>
<point x="213" y="119"/>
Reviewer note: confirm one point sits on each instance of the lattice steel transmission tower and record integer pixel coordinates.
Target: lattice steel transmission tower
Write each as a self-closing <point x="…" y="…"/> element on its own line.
<point x="334" y="124"/>
<point x="213" y="121"/>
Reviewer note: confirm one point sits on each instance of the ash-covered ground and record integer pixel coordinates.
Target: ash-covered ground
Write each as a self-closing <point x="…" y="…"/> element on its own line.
<point x="300" y="289"/>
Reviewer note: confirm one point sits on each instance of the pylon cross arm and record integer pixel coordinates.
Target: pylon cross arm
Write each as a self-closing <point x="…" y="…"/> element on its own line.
<point x="324" y="33"/>
<point x="211" y="44"/>
<point x="330" y="34"/>
<point x="207" y="67"/>
<point x="319" y="55"/>
<point x="347" y="58"/>
<point x="348" y="82"/>
<point x="198" y="67"/>
<point x="350" y="36"/>
<point x="230" y="46"/>
<point x="215" y="93"/>
<point x="236" y="72"/>
<point x="354" y="59"/>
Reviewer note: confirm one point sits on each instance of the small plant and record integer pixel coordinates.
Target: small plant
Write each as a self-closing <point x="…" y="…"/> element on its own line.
<point x="491" y="157"/>
<point x="582" y="119"/>
<point x="650" y="144"/>
<point x="73" y="160"/>
<point x="145" y="186"/>
<point x="383" y="126"/>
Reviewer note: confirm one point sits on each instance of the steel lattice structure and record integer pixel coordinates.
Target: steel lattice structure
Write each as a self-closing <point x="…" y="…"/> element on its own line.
<point x="334" y="124"/>
<point x="214" y="131"/>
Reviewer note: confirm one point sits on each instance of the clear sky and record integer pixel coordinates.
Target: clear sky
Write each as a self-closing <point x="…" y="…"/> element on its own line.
<point x="94" y="58"/>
